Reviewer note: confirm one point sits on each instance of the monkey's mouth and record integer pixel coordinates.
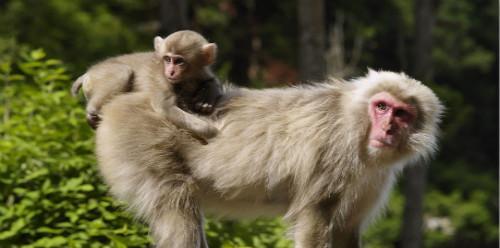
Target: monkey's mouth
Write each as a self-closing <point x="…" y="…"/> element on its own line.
<point x="385" y="142"/>
<point x="174" y="80"/>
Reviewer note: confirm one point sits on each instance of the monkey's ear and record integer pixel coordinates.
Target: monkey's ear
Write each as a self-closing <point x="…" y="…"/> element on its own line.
<point x="159" y="47"/>
<point x="210" y="53"/>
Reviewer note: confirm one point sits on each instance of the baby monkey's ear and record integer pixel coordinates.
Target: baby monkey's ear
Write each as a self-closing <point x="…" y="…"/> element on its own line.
<point x="159" y="46"/>
<point x="210" y="53"/>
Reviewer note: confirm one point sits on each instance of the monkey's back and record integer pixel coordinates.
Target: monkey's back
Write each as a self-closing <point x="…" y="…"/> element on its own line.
<point x="132" y="58"/>
<point x="284" y="128"/>
<point x="270" y="140"/>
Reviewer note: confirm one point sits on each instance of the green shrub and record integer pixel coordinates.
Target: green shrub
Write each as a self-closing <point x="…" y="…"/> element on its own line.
<point x="469" y="222"/>
<point x="51" y="195"/>
<point x="247" y="234"/>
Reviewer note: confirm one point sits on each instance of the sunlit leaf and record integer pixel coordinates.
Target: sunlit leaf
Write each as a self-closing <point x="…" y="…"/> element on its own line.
<point x="38" y="54"/>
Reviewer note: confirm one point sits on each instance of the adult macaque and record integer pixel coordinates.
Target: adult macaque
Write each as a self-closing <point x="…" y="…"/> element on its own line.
<point x="325" y="156"/>
<point x="176" y="75"/>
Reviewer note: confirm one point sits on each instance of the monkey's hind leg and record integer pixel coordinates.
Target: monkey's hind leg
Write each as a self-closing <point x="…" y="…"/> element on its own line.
<point x="177" y="222"/>
<point x="100" y="84"/>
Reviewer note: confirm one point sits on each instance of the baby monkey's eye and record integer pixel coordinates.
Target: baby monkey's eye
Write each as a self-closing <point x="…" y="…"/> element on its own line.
<point x="167" y="59"/>
<point x="179" y="61"/>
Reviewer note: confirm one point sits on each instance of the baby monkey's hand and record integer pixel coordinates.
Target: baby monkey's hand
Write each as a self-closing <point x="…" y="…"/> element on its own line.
<point x="206" y="97"/>
<point x="204" y="108"/>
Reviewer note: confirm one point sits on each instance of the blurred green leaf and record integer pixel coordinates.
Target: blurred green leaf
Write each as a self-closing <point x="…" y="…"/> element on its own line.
<point x="49" y="183"/>
<point x="14" y="229"/>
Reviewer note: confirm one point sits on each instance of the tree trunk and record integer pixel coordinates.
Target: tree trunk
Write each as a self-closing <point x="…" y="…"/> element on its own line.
<point x="411" y="233"/>
<point x="415" y="176"/>
<point x="242" y="38"/>
<point x="424" y="21"/>
<point x="312" y="62"/>
<point x="173" y="16"/>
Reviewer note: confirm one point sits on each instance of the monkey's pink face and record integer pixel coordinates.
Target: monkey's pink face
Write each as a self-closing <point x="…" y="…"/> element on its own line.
<point x="390" y="119"/>
<point x="175" y="65"/>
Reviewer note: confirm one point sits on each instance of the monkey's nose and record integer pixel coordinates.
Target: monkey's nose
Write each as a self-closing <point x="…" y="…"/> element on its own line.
<point x="390" y="131"/>
<point x="93" y="120"/>
<point x="386" y="126"/>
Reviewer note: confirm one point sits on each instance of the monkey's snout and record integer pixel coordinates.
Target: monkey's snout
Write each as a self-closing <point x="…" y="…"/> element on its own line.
<point x="93" y="120"/>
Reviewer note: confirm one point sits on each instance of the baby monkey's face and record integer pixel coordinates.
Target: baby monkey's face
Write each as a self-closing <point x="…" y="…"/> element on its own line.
<point x="175" y="66"/>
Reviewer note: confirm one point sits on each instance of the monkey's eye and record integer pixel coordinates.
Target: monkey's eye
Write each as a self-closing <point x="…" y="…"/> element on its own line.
<point x="403" y="115"/>
<point x="179" y="61"/>
<point x="167" y="59"/>
<point x="400" y="113"/>
<point x="381" y="106"/>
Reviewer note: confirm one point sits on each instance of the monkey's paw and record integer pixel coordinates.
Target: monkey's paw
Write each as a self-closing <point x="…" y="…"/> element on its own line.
<point x="93" y="120"/>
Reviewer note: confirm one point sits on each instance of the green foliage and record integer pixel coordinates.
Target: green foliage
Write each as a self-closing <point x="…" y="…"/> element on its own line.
<point x="466" y="61"/>
<point x="458" y="49"/>
<point x="51" y="195"/>
<point x="247" y="234"/>
<point x="463" y="220"/>
<point x="451" y="220"/>
<point x="77" y="31"/>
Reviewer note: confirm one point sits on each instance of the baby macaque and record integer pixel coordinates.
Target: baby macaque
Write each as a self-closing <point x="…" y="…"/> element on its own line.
<point x="176" y="76"/>
<point x="171" y="83"/>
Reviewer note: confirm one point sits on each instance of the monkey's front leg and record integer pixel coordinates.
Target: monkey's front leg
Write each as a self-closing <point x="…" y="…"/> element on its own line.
<point x="203" y="236"/>
<point x="312" y="228"/>
<point x="345" y="237"/>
